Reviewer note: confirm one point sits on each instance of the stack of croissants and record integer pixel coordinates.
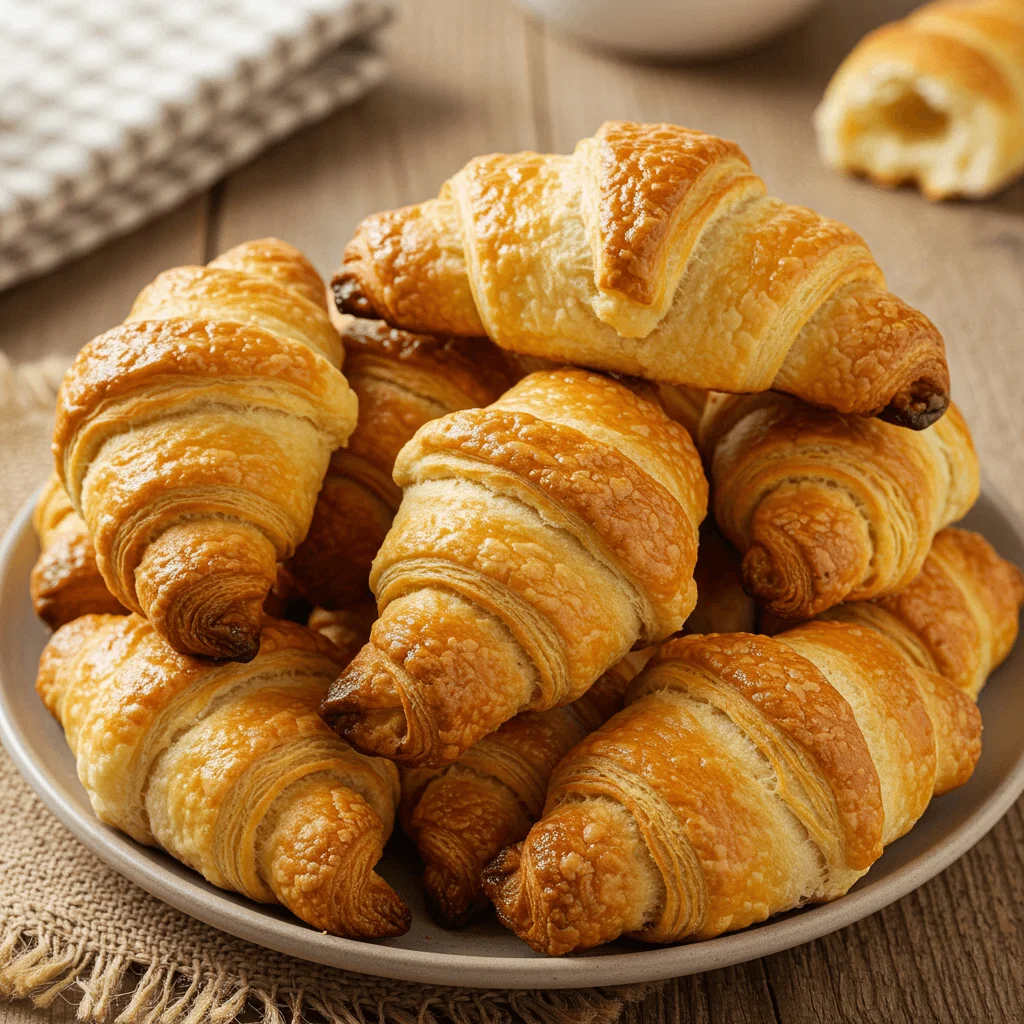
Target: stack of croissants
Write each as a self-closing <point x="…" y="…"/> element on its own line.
<point x="467" y="582"/>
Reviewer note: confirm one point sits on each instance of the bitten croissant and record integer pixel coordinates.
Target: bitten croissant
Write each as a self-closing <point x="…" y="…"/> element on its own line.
<point x="402" y="381"/>
<point x="228" y="767"/>
<point x="538" y="541"/>
<point x="65" y="581"/>
<point x="193" y="440"/>
<point x="652" y="250"/>
<point x="830" y="508"/>
<point x="937" y="99"/>
<point x="747" y="776"/>
<point x="464" y="815"/>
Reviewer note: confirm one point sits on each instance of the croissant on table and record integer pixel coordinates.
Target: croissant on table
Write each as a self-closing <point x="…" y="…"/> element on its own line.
<point x="937" y="99"/>
<point x="652" y="250"/>
<point x="228" y="767"/>
<point x="193" y="440"/>
<point x="750" y="775"/>
<point x="462" y="816"/>
<point x="65" y="581"/>
<point x="538" y="541"/>
<point x="826" y="507"/>
<point x="402" y="381"/>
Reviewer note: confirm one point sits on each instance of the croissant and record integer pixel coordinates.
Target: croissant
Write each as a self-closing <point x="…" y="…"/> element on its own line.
<point x="652" y="250"/>
<point x="957" y="617"/>
<point x="827" y="507"/>
<point x="402" y="381"/>
<point x="228" y="767"/>
<point x="462" y="816"/>
<point x="65" y="581"/>
<point x="747" y="776"/>
<point x="937" y="99"/>
<point x="193" y="440"/>
<point x="538" y="541"/>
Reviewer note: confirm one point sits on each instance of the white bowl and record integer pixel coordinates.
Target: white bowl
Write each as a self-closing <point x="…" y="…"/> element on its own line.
<point x="672" y="28"/>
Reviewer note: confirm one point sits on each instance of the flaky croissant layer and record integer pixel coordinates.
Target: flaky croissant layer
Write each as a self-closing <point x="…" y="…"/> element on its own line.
<point x="402" y="381"/>
<point x="228" y="767"/>
<point x="747" y="776"/>
<point x="194" y="438"/>
<point x="66" y="581"/>
<point x="827" y="507"/>
<point x="462" y="816"/>
<point x="652" y="250"/>
<point x="538" y="541"/>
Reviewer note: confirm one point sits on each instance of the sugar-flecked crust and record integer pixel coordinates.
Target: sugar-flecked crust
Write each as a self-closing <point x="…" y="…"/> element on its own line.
<point x="462" y="816"/>
<point x="745" y="777"/>
<point x="538" y="541"/>
<point x="228" y="767"/>
<point x="652" y="250"/>
<point x="828" y="508"/>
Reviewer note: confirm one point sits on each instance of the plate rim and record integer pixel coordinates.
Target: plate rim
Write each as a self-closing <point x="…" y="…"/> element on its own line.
<point x="295" y="939"/>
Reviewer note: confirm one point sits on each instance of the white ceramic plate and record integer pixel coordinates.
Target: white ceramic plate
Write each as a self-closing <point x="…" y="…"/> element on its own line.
<point x="486" y="955"/>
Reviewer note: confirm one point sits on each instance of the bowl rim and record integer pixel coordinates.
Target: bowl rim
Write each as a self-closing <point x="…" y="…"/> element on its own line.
<point x="220" y="910"/>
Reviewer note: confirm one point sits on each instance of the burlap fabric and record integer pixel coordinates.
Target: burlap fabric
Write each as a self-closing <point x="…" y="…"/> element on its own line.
<point x="72" y="928"/>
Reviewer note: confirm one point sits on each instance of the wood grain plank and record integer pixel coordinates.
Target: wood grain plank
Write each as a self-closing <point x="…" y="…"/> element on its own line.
<point x="458" y="87"/>
<point x="60" y="312"/>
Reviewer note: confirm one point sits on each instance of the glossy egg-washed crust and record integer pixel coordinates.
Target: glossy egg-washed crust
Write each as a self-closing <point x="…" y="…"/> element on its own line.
<point x="652" y="250"/>
<point x="193" y="440"/>
<point x="65" y="581"/>
<point x="828" y="507"/>
<point x="228" y="767"/>
<point x="538" y="541"/>
<point x="747" y="776"/>
<point x="936" y="98"/>
<point x="959" y="615"/>
<point x="402" y="380"/>
<point x="462" y="816"/>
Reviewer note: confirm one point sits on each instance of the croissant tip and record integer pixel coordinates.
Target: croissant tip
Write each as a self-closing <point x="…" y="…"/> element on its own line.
<point x="452" y="899"/>
<point x="233" y="642"/>
<point x="350" y="298"/>
<point x="916" y="411"/>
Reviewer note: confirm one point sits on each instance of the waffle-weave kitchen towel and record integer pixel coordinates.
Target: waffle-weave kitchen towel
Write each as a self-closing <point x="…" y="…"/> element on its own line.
<point x="112" y="111"/>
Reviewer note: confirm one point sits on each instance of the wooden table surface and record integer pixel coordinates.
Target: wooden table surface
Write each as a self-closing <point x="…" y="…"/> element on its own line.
<point x="474" y="76"/>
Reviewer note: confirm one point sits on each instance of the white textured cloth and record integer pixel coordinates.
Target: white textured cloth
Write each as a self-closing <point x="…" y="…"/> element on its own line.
<point x="112" y="111"/>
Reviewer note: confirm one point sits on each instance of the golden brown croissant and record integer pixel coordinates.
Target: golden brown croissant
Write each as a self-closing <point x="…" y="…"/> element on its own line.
<point x="464" y="815"/>
<point x="402" y="381"/>
<point x="538" y="541"/>
<point x="652" y="250"/>
<point x="827" y="507"/>
<point x="937" y="98"/>
<point x="65" y="581"/>
<point x="747" y="776"/>
<point x="959" y="615"/>
<point x="228" y="767"/>
<point x="194" y="438"/>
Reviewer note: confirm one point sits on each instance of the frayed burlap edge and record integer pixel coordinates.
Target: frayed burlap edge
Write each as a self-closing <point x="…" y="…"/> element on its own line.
<point x="118" y="987"/>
